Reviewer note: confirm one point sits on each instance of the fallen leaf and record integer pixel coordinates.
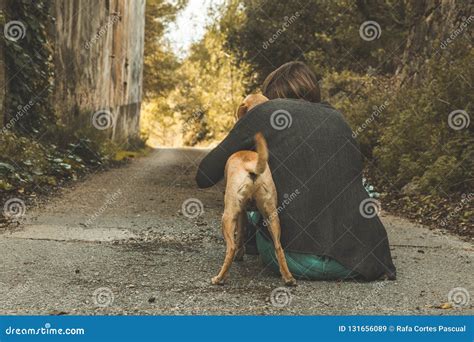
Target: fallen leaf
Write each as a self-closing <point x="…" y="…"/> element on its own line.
<point x="445" y="306"/>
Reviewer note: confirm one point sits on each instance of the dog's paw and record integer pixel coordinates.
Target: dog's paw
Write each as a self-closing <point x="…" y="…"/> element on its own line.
<point x="290" y="282"/>
<point x="217" y="281"/>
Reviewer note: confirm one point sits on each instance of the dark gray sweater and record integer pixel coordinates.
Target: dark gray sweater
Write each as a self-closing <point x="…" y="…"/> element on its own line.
<point x="317" y="168"/>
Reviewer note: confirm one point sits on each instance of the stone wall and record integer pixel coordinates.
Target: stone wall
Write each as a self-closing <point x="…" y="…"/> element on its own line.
<point x="98" y="58"/>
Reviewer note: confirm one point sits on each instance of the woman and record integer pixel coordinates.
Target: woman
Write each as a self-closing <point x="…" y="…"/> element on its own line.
<point x="327" y="231"/>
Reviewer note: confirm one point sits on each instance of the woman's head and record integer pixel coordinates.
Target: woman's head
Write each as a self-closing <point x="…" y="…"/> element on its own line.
<point x="293" y="80"/>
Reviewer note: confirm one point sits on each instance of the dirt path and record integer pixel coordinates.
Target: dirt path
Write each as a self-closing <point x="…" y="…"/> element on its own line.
<point x="118" y="243"/>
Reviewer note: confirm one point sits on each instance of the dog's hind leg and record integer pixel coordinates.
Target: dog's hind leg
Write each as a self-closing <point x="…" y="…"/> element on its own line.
<point x="240" y="236"/>
<point x="274" y="227"/>
<point x="272" y="220"/>
<point x="229" y="222"/>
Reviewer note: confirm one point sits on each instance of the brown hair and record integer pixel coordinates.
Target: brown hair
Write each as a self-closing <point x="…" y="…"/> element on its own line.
<point x="293" y="80"/>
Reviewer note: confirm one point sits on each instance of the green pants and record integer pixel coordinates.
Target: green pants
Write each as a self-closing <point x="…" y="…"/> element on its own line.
<point x="302" y="266"/>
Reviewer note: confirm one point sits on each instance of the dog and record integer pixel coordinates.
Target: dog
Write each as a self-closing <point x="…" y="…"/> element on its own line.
<point x="248" y="103"/>
<point x="249" y="182"/>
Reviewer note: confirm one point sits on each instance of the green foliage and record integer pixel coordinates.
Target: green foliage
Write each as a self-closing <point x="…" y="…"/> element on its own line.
<point x="405" y="135"/>
<point x="207" y="88"/>
<point x="160" y="64"/>
<point x="29" y="60"/>
<point x="213" y="85"/>
<point x="417" y="145"/>
<point x="27" y="165"/>
<point x="325" y="34"/>
<point x="64" y="152"/>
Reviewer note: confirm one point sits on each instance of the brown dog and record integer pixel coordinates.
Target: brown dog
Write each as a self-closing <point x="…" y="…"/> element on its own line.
<point x="248" y="103"/>
<point x="249" y="181"/>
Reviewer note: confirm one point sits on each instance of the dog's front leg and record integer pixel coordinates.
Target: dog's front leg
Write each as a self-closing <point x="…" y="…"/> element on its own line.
<point x="229" y="222"/>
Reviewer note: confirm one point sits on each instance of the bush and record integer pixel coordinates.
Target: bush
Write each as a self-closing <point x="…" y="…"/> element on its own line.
<point x="421" y="165"/>
<point x="418" y="143"/>
<point x="405" y="135"/>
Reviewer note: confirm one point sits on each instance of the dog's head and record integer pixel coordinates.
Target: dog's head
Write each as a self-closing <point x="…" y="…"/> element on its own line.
<point x="249" y="102"/>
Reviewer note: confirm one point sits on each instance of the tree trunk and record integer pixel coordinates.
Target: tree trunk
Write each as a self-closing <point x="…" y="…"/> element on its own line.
<point x="98" y="60"/>
<point x="433" y="21"/>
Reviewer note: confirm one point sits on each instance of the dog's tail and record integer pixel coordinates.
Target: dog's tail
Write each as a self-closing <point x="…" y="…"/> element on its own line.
<point x="262" y="151"/>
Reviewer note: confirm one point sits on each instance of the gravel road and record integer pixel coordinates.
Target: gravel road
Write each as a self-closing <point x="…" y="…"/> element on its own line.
<point x="118" y="243"/>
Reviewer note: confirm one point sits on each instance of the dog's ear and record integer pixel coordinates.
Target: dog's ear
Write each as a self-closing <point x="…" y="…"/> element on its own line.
<point x="241" y="111"/>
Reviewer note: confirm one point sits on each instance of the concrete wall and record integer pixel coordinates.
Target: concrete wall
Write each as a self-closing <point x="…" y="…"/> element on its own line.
<point x="98" y="60"/>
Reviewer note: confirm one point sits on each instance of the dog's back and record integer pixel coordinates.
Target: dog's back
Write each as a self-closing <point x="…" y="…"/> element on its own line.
<point x="252" y="162"/>
<point x="248" y="178"/>
<point x="245" y="167"/>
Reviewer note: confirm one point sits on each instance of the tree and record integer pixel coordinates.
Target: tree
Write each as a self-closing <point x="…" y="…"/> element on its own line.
<point x="325" y="34"/>
<point x="433" y="23"/>
<point x="210" y="90"/>
<point x="160" y="63"/>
